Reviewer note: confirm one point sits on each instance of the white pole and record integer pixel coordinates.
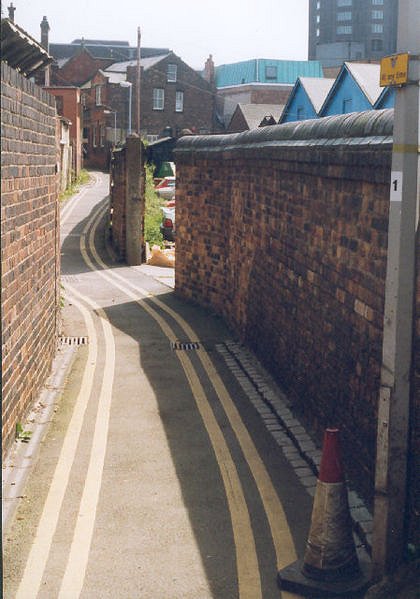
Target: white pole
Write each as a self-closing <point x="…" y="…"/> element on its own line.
<point x="394" y="400"/>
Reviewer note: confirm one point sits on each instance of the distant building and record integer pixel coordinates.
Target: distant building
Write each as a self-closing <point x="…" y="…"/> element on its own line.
<point x="355" y="89"/>
<point x="306" y="99"/>
<point x="252" y="116"/>
<point x="258" y="81"/>
<point x="343" y="30"/>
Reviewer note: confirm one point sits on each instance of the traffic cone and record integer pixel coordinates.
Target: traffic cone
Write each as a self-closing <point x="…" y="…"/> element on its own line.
<point x="330" y="567"/>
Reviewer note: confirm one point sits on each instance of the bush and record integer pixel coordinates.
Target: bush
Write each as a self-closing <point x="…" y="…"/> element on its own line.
<point x="153" y="214"/>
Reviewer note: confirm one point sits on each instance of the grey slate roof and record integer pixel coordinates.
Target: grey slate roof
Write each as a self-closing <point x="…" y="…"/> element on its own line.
<point x="146" y="63"/>
<point x="255" y="113"/>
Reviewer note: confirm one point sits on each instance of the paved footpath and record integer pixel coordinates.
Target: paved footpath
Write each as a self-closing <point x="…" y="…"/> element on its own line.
<point x="164" y="472"/>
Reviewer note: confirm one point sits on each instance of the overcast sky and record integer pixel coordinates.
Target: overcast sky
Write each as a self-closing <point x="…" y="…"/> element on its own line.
<point x="231" y="30"/>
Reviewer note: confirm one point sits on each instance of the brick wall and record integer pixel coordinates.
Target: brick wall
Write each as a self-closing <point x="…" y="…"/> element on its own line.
<point x="287" y="241"/>
<point x="127" y="201"/>
<point x="29" y="244"/>
<point x="117" y="201"/>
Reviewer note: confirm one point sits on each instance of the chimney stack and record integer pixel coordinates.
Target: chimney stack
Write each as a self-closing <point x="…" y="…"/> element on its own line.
<point x="46" y="45"/>
<point x="44" y="34"/>
<point x="11" y="10"/>
<point x="209" y="71"/>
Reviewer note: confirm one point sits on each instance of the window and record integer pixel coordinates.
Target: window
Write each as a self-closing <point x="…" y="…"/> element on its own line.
<point x="318" y="19"/>
<point x="94" y="136"/>
<point x="318" y="33"/>
<point x="102" y="132"/>
<point x="318" y="5"/>
<point x="377" y="45"/>
<point x="377" y="28"/>
<point x="152" y="138"/>
<point x="347" y="105"/>
<point x="377" y="2"/>
<point x="98" y="95"/>
<point x="300" y="113"/>
<point x="171" y="73"/>
<point x="179" y="102"/>
<point x="344" y="3"/>
<point x="271" y="72"/>
<point x="344" y="29"/>
<point x="344" y="16"/>
<point x="378" y="15"/>
<point x="158" y="98"/>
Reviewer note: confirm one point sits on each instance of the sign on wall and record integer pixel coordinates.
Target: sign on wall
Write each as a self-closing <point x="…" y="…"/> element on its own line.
<point x="394" y="69"/>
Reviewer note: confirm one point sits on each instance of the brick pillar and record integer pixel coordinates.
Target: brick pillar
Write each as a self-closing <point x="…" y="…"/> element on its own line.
<point x="134" y="201"/>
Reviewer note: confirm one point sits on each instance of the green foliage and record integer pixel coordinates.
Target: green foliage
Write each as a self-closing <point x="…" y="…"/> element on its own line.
<point x="153" y="215"/>
<point x="22" y="435"/>
<point x="82" y="179"/>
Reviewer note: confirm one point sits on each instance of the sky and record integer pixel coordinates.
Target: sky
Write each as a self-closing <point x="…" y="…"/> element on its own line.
<point x="230" y="30"/>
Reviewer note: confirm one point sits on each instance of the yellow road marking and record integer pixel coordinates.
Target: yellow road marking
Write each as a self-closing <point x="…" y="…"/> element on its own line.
<point x="72" y="582"/>
<point x="249" y="582"/>
<point x="38" y="555"/>
<point x="282" y="538"/>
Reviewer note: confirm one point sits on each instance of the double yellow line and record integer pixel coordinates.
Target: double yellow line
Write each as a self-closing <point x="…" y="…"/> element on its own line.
<point x="247" y="561"/>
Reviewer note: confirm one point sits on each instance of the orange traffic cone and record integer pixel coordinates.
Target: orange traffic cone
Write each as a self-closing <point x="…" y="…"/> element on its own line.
<point x="330" y="567"/>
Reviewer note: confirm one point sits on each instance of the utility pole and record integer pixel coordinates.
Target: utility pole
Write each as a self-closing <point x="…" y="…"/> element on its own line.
<point x="394" y="399"/>
<point x="138" y="78"/>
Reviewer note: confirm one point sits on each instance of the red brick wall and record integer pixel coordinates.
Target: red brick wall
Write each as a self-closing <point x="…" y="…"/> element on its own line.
<point x="69" y="99"/>
<point x="118" y="191"/>
<point x="29" y="244"/>
<point x="288" y="243"/>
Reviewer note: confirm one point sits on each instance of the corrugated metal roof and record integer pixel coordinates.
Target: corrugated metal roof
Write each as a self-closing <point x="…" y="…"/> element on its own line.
<point x="264" y="70"/>
<point x="317" y="90"/>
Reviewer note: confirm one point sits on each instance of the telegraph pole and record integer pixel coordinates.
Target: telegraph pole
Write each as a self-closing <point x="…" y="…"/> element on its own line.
<point x="394" y="399"/>
<point x="138" y="78"/>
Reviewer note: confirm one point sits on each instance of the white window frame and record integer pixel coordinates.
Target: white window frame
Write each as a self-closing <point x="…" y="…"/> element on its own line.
<point x="98" y="95"/>
<point x="378" y="15"/>
<point x="341" y="3"/>
<point x="179" y="101"/>
<point x="172" y="73"/>
<point x="378" y="2"/>
<point x="377" y="28"/>
<point x="158" y="98"/>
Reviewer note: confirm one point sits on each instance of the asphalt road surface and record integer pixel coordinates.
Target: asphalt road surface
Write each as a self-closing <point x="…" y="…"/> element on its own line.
<point x="158" y="477"/>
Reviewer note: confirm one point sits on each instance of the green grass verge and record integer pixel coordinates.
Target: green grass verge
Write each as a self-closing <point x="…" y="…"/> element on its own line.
<point x="153" y="213"/>
<point x="82" y="179"/>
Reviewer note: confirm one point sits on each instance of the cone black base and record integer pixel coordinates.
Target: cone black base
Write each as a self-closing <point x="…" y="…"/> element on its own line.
<point x="291" y="579"/>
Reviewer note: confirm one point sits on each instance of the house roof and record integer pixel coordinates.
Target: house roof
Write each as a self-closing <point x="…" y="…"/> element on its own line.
<point x="367" y="76"/>
<point x="258" y="70"/>
<point x="21" y="51"/>
<point x="114" y="50"/>
<point x="317" y="89"/>
<point x="254" y="114"/>
<point x="146" y="63"/>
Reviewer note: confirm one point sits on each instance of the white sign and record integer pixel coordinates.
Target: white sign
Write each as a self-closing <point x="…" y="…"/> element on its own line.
<point x="396" y="186"/>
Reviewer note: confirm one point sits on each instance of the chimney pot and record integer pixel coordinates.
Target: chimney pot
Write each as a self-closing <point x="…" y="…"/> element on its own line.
<point x="11" y="10"/>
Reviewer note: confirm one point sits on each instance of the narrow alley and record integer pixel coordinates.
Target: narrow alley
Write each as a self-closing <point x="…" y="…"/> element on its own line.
<point x="164" y="474"/>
